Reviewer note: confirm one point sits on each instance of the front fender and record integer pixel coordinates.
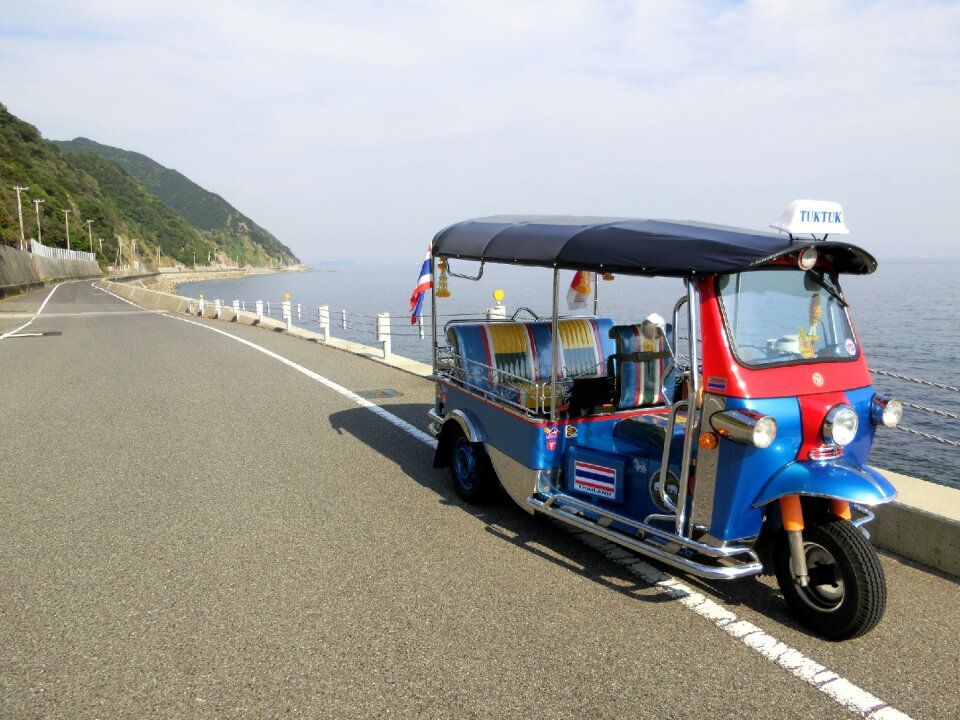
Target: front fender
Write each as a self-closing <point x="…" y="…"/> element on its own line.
<point x="837" y="481"/>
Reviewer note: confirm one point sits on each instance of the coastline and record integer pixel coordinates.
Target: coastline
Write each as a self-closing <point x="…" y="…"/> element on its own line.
<point x="169" y="281"/>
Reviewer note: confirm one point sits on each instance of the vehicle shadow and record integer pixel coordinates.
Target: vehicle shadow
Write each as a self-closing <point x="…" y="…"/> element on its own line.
<point x="549" y="540"/>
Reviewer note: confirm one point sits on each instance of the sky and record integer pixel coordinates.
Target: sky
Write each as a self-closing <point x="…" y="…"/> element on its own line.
<point x="357" y="130"/>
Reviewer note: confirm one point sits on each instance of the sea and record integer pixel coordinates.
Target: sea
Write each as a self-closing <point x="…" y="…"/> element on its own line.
<point x="907" y="316"/>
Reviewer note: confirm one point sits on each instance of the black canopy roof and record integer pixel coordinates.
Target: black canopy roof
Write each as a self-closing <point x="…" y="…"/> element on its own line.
<point x="630" y="246"/>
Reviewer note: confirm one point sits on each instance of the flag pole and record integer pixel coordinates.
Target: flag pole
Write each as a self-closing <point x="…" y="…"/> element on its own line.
<point x="433" y="308"/>
<point x="596" y="295"/>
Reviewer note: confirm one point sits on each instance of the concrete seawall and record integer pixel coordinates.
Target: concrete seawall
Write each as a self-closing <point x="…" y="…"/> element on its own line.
<point x="922" y="525"/>
<point x="21" y="271"/>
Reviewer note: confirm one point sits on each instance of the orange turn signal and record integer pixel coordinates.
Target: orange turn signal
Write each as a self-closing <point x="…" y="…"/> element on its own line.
<point x="708" y="441"/>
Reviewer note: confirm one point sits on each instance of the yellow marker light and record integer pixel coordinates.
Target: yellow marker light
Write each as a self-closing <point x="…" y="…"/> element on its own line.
<point x="286" y="296"/>
<point x="201" y="296"/>
<point x="498" y="295"/>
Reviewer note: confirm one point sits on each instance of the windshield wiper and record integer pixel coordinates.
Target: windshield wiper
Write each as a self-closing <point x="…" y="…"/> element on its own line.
<point x="832" y="290"/>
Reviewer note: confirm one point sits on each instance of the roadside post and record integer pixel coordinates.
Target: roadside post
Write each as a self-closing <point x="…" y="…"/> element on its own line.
<point x="383" y="332"/>
<point x="287" y="317"/>
<point x="323" y="317"/>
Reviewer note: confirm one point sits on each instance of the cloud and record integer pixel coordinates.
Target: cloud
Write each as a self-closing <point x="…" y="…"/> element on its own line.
<point x="379" y="122"/>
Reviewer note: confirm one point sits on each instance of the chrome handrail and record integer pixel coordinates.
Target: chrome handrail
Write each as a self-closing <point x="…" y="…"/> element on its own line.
<point x="496" y="384"/>
<point x="752" y="566"/>
<point x="716" y="551"/>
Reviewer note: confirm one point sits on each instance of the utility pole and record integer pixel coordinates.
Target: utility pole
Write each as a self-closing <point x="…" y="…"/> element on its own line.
<point x="90" y="234"/>
<point x="23" y="239"/>
<point x="66" y="223"/>
<point x="37" y="204"/>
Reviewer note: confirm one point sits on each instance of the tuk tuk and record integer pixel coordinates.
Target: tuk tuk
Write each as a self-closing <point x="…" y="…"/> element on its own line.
<point x="737" y="449"/>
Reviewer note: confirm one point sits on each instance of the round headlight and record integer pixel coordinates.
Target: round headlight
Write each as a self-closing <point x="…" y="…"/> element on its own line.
<point x="892" y="413"/>
<point x="764" y="432"/>
<point x="840" y="425"/>
<point x="745" y="426"/>
<point x="886" y="411"/>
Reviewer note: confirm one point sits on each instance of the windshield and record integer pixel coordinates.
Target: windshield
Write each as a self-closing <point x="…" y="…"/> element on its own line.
<point x="785" y="315"/>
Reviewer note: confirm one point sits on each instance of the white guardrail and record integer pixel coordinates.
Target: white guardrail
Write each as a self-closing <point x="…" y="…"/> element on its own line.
<point x="55" y="253"/>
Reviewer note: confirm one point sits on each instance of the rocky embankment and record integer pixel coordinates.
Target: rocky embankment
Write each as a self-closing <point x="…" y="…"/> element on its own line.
<point x="169" y="281"/>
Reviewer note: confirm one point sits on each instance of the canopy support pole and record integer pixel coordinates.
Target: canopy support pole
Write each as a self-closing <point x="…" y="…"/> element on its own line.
<point x="555" y="345"/>
<point x="693" y="405"/>
<point x="596" y="295"/>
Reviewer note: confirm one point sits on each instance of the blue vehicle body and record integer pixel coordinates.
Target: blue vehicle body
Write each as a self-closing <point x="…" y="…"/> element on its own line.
<point x="772" y="419"/>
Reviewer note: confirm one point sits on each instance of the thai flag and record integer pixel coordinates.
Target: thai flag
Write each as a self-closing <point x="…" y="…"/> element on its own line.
<point x="595" y="479"/>
<point x="579" y="291"/>
<point x="423" y="284"/>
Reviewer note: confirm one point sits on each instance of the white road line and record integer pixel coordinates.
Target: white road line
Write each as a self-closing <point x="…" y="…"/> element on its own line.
<point x="838" y="689"/>
<point x="349" y="394"/>
<point x="39" y="310"/>
<point x="841" y="691"/>
<point x="339" y="389"/>
<point x="100" y="314"/>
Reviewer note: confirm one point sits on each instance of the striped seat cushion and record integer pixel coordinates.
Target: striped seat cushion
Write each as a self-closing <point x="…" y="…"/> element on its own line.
<point x="524" y="349"/>
<point x="581" y="348"/>
<point x="638" y="380"/>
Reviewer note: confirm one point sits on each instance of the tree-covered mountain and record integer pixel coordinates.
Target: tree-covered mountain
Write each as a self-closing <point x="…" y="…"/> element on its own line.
<point x="201" y="208"/>
<point x="122" y="209"/>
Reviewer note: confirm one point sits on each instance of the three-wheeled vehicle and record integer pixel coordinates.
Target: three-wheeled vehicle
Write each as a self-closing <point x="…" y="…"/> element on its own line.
<point x="737" y="449"/>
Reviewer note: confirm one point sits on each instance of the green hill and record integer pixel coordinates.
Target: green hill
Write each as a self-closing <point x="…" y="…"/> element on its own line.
<point x="204" y="210"/>
<point x="26" y="160"/>
<point x="119" y="205"/>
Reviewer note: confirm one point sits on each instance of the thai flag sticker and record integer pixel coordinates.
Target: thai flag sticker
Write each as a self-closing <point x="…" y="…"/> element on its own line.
<point x="719" y="384"/>
<point x="594" y="479"/>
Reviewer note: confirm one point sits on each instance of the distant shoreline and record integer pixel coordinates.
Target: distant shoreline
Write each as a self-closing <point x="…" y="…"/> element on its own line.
<point x="168" y="282"/>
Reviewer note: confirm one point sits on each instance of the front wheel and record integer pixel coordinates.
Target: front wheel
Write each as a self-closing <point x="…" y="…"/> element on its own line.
<point x="473" y="477"/>
<point x="847" y="592"/>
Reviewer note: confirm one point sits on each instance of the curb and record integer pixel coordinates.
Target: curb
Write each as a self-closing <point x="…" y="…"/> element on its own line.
<point x="922" y="524"/>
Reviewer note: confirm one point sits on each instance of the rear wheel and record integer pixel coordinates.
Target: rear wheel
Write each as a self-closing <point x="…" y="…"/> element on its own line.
<point x="470" y="470"/>
<point x="847" y="592"/>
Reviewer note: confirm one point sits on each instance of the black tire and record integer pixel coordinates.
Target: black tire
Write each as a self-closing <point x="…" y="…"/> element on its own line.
<point x="847" y="593"/>
<point x="470" y="470"/>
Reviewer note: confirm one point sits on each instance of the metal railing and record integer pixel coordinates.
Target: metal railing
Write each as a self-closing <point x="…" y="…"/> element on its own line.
<point x="55" y="253"/>
<point x="923" y="408"/>
<point x="524" y="395"/>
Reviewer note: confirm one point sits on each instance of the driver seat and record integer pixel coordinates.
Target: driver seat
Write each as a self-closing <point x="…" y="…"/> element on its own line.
<point x="640" y="364"/>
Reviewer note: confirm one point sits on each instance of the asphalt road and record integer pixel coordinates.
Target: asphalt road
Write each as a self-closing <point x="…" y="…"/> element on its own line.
<point x="190" y="528"/>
